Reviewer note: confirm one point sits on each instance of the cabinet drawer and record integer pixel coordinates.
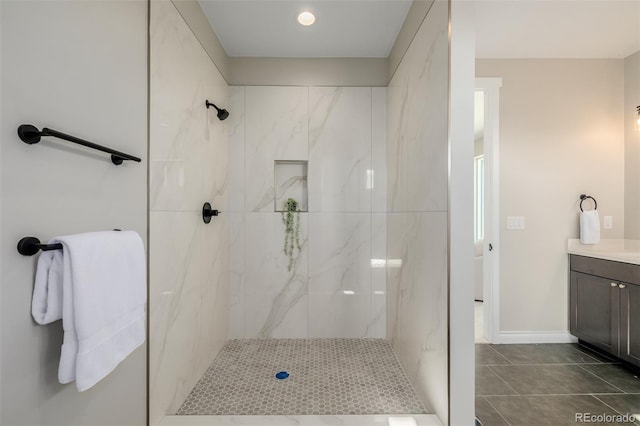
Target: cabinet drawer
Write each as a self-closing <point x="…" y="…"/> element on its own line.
<point x="616" y="271"/>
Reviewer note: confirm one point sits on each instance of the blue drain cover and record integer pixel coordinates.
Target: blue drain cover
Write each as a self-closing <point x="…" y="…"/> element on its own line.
<point x="282" y="375"/>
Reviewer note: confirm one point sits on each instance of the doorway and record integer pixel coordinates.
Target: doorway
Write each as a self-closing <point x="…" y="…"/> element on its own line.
<point x="486" y="210"/>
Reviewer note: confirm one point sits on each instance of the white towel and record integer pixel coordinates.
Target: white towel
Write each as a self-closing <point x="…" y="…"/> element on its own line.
<point x="46" y="304"/>
<point x="103" y="298"/>
<point x="589" y="227"/>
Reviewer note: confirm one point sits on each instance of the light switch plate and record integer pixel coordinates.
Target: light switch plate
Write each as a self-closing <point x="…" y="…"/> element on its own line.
<point x="608" y="222"/>
<point x="515" y="222"/>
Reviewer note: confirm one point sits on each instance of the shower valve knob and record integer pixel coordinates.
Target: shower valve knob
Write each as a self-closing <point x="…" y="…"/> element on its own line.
<point x="208" y="212"/>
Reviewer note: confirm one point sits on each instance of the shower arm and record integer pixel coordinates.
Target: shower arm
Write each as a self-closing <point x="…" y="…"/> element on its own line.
<point x="209" y="104"/>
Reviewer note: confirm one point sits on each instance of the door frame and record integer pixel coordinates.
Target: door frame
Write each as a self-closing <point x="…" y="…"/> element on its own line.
<point x="491" y="258"/>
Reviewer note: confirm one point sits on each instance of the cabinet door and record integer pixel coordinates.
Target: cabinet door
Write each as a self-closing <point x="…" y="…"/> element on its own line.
<point x="594" y="311"/>
<point x="630" y="323"/>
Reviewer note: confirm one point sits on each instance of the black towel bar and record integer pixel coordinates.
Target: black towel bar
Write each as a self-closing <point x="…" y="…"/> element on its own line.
<point x="584" y="197"/>
<point x="28" y="246"/>
<point x="30" y="134"/>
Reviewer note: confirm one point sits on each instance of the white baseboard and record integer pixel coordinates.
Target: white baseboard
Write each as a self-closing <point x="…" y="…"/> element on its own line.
<point x="523" y="337"/>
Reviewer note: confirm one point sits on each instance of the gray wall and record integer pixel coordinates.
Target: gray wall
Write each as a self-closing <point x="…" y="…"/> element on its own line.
<point x="78" y="67"/>
<point x="561" y="135"/>
<point x="631" y="146"/>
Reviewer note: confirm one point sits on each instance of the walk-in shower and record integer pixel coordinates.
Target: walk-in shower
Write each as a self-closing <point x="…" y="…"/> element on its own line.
<point x="321" y="287"/>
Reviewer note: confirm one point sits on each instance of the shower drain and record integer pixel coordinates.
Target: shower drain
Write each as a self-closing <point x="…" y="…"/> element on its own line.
<point x="281" y="375"/>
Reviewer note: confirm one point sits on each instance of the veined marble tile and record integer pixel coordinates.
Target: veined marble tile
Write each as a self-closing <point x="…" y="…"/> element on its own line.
<point x="397" y="95"/>
<point x="417" y="242"/>
<point x="275" y="297"/>
<point x="420" y="338"/>
<point x="236" y="275"/>
<point x="236" y="149"/>
<point x="378" y="323"/>
<point x="189" y="263"/>
<point x="339" y="253"/>
<point x="424" y="349"/>
<point x="339" y="315"/>
<point x="215" y="148"/>
<point x="396" y="252"/>
<point x="378" y="266"/>
<point x="421" y="420"/>
<point x="379" y="148"/>
<point x="378" y="262"/>
<point x="213" y="306"/>
<point x="177" y="113"/>
<point x="279" y="316"/>
<point x="340" y="275"/>
<point x="175" y="351"/>
<point x="427" y="116"/>
<point x="276" y="128"/>
<point x="340" y="149"/>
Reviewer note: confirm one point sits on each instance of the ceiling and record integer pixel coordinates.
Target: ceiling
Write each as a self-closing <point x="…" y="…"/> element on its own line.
<point x="557" y="28"/>
<point x="368" y="28"/>
<point x="343" y="28"/>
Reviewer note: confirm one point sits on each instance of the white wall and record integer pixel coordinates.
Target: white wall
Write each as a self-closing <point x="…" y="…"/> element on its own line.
<point x="188" y="258"/>
<point x="341" y="132"/>
<point x="65" y="65"/>
<point x="561" y="135"/>
<point x="461" y="174"/>
<point x="417" y="168"/>
<point x="632" y="146"/>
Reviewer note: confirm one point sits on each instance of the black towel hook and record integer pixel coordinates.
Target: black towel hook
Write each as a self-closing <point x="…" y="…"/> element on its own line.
<point x="584" y="197"/>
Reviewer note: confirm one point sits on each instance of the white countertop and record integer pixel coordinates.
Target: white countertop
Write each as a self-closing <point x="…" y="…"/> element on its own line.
<point x="618" y="250"/>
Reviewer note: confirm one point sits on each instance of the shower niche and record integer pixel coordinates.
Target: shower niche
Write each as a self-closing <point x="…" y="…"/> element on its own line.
<point x="290" y="181"/>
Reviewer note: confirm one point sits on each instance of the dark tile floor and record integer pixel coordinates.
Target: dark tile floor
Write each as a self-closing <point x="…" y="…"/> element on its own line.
<point x="547" y="385"/>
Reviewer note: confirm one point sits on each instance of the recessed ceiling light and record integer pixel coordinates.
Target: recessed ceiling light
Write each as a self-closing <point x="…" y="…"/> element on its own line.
<point x="306" y="18"/>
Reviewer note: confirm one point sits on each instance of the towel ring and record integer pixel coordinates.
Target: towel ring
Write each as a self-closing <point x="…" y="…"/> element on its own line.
<point x="584" y="197"/>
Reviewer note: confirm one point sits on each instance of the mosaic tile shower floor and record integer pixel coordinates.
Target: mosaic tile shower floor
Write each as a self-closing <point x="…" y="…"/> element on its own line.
<point x="327" y="376"/>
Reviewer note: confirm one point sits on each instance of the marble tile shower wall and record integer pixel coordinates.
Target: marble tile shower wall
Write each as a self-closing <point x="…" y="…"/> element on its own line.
<point x="335" y="288"/>
<point x="188" y="306"/>
<point x="417" y="160"/>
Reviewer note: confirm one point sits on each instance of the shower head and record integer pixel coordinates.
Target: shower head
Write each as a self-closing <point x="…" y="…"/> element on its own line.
<point x="222" y="113"/>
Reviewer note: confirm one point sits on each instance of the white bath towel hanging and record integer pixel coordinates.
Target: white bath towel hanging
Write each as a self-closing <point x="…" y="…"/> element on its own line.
<point x="46" y="304"/>
<point x="103" y="301"/>
<point x="589" y="227"/>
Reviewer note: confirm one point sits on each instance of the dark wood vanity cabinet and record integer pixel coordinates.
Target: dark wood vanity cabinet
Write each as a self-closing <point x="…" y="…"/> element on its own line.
<point x="630" y="324"/>
<point x="595" y="311"/>
<point x="605" y="305"/>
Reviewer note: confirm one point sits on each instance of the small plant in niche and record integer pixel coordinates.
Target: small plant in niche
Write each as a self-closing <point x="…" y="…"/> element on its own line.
<point x="291" y="219"/>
